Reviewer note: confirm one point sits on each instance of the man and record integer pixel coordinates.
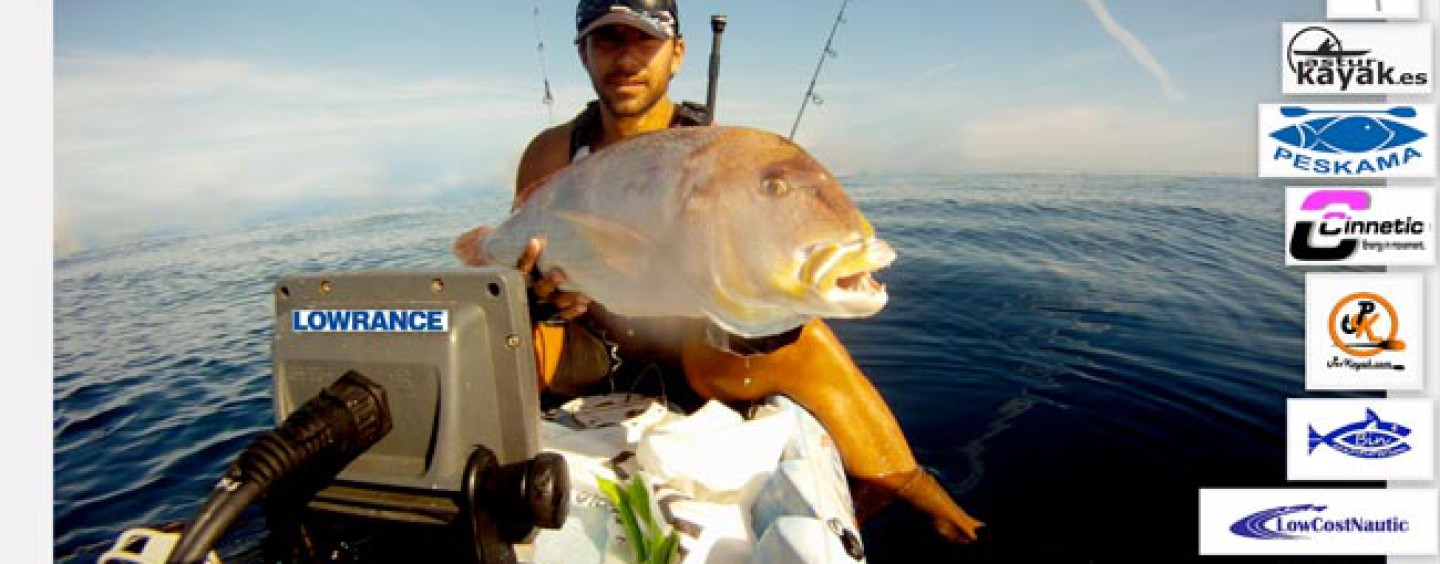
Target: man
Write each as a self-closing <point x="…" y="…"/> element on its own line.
<point x="631" y="50"/>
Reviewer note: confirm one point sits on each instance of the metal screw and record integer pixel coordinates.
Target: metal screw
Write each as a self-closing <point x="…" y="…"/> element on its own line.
<point x="512" y="341"/>
<point x="437" y="285"/>
<point x="325" y="287"/>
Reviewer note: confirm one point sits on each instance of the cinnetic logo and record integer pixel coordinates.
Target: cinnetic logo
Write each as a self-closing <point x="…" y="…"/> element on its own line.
<point x="1347" y="141"/>
<point x="1376" y="226"/>
<point x="1369" y="438"/>
<point x="1358" y="58"/>
<point x="1296" y="522"/>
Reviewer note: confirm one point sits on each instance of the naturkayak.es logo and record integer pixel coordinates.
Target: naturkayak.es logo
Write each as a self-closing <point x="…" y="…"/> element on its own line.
<point x="1371" y="437"/>
<point x="1364" y="324"/>
<point x="1359" y="439"/>
<point x="1357" y="58"/>
<point x="1360" y="226"/>
<point x="1341" y="521"/>
<point x="369" y="321"/>
<point x="1361" y="331"/>
<point x="1347" y="141"/>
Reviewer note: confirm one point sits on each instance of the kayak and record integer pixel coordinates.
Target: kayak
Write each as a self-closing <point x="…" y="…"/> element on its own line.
<point x="769" y="487"/>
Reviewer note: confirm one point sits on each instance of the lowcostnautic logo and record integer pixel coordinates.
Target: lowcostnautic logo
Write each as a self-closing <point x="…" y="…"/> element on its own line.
<point x="1297" y="522"/>
<point x="369" y="321"/>
<point x="1369" y="438"/>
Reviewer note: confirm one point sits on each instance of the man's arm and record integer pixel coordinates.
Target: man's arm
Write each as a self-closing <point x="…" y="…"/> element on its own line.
<point x="547" y="153"/>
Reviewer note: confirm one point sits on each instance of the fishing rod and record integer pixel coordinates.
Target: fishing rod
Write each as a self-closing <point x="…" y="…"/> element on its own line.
<point x="717" y="29"/>
<point x="549" y="99"/>
<point x="827" y="52"/>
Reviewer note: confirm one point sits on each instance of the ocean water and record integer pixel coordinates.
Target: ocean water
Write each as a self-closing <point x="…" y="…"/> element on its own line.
<point x="1073" y="355"/>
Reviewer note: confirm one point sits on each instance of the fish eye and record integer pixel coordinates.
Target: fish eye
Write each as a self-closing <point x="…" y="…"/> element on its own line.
<point x="775" y="187"/>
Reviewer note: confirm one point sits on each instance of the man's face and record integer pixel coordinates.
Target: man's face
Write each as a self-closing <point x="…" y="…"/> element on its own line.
<point x="629" y="69"/>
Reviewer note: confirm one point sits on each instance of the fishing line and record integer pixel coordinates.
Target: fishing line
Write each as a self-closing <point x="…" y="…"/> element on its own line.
<point x="549" y="98"/>
<point x="827" y="53"/>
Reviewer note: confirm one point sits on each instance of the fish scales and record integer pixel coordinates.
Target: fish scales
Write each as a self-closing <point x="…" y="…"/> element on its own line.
<point x="730" y="223"/>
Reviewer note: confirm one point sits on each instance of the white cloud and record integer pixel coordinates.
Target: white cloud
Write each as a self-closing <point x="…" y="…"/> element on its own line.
<point x="1104" y="139"/>
<point x="1137" y="48"/>
<point x="156" y="143"/>
<point x="1087" y="138"/>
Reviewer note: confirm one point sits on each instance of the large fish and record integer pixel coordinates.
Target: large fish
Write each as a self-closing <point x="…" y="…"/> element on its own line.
<point x="730" y="223"/>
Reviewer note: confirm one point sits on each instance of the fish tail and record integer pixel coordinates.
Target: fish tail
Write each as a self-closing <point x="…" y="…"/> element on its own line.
<point x="1315" y="440"/>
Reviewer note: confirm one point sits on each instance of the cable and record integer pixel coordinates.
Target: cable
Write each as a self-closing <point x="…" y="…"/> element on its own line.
<point x="333" y="428"/>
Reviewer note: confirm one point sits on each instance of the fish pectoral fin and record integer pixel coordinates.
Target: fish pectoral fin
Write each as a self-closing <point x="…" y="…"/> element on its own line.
<point x="621" y="247"/>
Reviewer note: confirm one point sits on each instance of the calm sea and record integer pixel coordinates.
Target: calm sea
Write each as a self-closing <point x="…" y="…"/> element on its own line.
<point x="1073" y="355"/>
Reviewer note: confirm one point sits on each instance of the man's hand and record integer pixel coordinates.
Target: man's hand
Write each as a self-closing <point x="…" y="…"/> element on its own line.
<point x="571" y="304"/>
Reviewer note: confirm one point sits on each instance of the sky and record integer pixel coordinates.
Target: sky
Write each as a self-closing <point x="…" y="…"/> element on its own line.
<point x="206" y="114"/>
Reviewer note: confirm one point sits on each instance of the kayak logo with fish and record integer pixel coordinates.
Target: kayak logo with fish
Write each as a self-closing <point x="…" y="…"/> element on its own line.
<point x="1359" y="438"/>
<point x="1371" y="325"/>
<point x="1371" y="437"/>
<point x="1357" y="58"/>
<point x="1391" y="226"/>
<point x="1347" y="141"/>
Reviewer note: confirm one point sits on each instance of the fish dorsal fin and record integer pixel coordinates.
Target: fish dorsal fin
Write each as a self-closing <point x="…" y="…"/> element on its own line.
<point x="1371" y="417"/>
<point x="621" y="247"/>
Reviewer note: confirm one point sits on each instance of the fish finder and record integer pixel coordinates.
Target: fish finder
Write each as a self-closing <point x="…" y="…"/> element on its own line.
<point x="453" y="350"/>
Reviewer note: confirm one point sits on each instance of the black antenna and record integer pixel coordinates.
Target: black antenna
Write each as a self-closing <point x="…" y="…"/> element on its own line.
<point x="549" y="99"/>
<point x="717" y="27"/>
<point x="827" y="52"/>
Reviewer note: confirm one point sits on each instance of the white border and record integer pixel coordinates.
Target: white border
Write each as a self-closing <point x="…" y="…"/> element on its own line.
<point x="27" y="143"/>
<point x="1428" y="11"/>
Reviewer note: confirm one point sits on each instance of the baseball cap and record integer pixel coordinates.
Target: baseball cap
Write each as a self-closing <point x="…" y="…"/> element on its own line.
<point x="659" y="18"/>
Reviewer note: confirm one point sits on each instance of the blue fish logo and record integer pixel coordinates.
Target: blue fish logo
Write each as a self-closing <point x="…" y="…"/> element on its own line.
<point x="1370" y="438"/>
<point x="1350" y="132"/>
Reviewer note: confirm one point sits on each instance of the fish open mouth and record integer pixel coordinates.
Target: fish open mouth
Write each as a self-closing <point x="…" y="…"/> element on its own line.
<point x="841" y="274"/>
<point x="859" y="282"/>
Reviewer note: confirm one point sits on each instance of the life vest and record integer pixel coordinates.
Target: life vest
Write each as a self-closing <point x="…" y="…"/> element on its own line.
<point x="585" y="129"/>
